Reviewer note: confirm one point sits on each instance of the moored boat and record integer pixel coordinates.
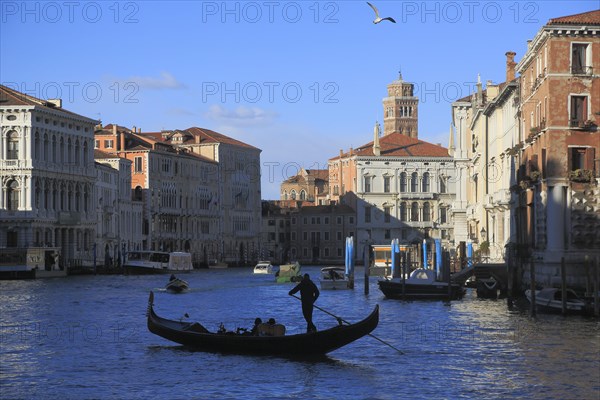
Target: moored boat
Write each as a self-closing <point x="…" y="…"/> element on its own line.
<point x="263" y="267"/>
<point x="317" y="343"/>
<point x="421" y="284"/>
<point x="157" y="262"/>
<point x="289" y="273"/>
<point x="550" y="299"/>
<point x="334" y="278"/>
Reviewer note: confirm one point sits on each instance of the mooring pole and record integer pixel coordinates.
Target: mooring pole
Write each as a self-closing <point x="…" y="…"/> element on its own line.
<point x="563" y="285"/>
<point x="404" y="257"/>
<point x="597" y="288"/>
<point x="511" y="271"/>
<point x="367" y="263"/>
<point x="588" y="278"/>
<point x="532" y="287"/>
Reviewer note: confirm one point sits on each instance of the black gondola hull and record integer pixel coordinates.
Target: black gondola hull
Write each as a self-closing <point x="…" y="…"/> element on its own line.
<point x="394" y="290"/>
<point x="307" y="344"/>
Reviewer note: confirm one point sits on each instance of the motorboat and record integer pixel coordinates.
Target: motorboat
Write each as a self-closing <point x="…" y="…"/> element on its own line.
<point x="420" y="284"/>
<point x="334" y="278"/>
<point x="289" y="273"/>
<point x="550" y="299"/>
<point x="317" y="343"/>
<point x="177" y="285"/>
<point x="263" y="267"/>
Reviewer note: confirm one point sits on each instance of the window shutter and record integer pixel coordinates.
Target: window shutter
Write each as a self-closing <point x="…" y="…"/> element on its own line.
<point x="589" y="158"/>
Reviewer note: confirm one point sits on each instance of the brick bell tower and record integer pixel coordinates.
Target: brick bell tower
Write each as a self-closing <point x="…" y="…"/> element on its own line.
<point x="401" y="109"/>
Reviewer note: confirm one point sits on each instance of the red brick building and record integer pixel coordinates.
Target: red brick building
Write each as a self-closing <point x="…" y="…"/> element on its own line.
<point x="558" y="214"/>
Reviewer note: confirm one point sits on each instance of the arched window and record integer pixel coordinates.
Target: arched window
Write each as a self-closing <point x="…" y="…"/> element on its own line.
<point x="403" y="211"/>
<point x="12" y="195"/>
<point x="426" y="212"/>
<point x="38" y="196"/>
<point x="36" y="144"/>
<point x="443" y="215"/>
<point x="69" y="152"/>
<point x="137" y="193"/>
<point x="414" y="182"/>
<point x="46" y="145"/>
<point x="12" y="146"/>
<point x="77" y="151"/>
<point x="285" y="195"/>
<point x="414" y="211"/>
<point x="86" y="199"/>
<point x="403" y="182"/>
<point x="425" y="182"/>
<point x="77" y="199"/>
<point x="62" y="150"/>
<point x="54" y="154"/>
<point x="293" y="194"/>
<point x="302" y="194"/>
<point x="85" y="153"/>
<point x="46" y="198"/>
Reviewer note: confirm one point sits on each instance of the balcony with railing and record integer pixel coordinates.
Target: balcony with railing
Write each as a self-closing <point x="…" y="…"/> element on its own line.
<point x="577" y="123"/>
<point x="586" y="70"/>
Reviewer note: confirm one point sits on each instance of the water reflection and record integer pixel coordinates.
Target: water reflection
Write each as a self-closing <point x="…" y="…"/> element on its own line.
<point x="86" y="337"/>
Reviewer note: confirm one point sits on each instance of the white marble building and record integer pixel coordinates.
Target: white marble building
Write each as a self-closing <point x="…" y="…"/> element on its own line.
<point x="48" y="175"/>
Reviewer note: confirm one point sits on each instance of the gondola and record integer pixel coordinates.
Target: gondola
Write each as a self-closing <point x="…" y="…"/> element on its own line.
<point x="177" y="285"/>
<point x="317" y="343"/>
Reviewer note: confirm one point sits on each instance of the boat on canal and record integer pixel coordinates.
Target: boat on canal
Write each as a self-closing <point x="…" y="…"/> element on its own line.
<point x="334" y="278"/>
<point x="177" y="285"/>
<point x="421" y="284"/>
<point x="157" y="262"/>
<point x="550" y="299"/>
<point x="318" y="343"/>
<point x="264" y="267"/>
<point x="289" y="273"/>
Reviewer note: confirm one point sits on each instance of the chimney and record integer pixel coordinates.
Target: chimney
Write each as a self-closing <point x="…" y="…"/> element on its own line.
<point x="114" y="130"/>
<point x="510" y="66"/>
<point x="376" y="148"/>
<point x="479" y="94"/>
<point x="55" y="102"/>
<point x="122" y="142"/>
<point x="197" y="139"/>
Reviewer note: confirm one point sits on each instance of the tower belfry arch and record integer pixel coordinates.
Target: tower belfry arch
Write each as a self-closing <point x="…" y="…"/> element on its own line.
<point x="401" y="109"/>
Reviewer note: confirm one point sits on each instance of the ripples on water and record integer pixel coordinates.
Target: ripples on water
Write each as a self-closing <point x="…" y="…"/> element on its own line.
<point x="86" y="337"/>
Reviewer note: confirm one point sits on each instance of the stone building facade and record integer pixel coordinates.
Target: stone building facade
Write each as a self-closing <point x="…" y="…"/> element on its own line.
<point x="558" y="209"/>
<point x="47" y="177"/>
<point x="308" y="185"/>
<point x="178" y="191"/>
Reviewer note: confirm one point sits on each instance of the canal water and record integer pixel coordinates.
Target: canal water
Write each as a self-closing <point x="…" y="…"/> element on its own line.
<point x="85" y="337"/>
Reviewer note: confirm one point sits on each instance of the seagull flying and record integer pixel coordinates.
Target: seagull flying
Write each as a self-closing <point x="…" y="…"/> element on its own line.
<point x="378" y="19"/>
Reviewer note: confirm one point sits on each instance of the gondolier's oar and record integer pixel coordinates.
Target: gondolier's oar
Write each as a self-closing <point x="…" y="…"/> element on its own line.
<point x="340" y="320"/>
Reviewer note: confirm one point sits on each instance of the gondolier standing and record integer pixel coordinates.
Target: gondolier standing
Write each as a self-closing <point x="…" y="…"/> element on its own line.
<point x="309" y="294"/>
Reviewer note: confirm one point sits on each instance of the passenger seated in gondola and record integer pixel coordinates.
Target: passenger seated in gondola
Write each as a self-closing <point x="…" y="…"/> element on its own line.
<point x="254" y="330"/>
<point x="332" y="275"/>
<point x="271" y="328"/>
<point x="172" y="278"/>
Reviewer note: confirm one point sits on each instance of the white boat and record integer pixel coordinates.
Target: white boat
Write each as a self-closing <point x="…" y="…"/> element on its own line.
<point x="334" y="278"/>
<point x="289" y="273"/>
<point x="263" y="267"/>
<point x="157" y="262"/>
<point x="551" y="300"/>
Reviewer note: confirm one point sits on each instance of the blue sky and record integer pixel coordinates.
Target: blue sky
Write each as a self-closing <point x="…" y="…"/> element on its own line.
<point x="298" y="79"/>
